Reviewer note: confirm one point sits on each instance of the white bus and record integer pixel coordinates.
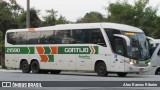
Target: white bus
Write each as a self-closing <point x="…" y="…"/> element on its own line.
<point x="100" y="47"/>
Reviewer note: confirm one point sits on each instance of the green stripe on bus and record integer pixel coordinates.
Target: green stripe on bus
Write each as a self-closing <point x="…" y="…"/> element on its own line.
<point x="18" y="50"/>
<point x="61" y="50"/>
<point x="47" y="50"/>
<point x="77" y="50"/>
<point x="96" y="49"/>
<point x="32" y="50"/>
<point x="51" y="58"/>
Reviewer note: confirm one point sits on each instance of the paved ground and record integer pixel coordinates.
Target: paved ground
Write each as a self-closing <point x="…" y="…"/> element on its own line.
<point x="17" y="75"/>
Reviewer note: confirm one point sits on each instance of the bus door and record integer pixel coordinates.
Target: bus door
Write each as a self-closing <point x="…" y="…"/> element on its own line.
<point x="118" y="61"/>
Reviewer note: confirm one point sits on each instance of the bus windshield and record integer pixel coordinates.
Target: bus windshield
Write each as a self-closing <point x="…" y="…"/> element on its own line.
<point x="139" y="46"/>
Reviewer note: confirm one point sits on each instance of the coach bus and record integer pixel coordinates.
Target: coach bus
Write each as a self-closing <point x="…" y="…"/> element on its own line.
<point x="97" y="47"/>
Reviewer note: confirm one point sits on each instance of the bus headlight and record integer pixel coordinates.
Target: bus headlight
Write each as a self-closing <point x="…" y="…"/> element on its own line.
<point x="132" y="62"/>
<point x="149" y="63"/>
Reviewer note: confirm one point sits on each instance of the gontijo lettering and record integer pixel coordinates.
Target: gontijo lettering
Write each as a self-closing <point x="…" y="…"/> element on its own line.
<point x="76" y="50"/>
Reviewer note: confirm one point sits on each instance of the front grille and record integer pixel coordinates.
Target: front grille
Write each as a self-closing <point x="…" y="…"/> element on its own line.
<point x="141" y="65"/>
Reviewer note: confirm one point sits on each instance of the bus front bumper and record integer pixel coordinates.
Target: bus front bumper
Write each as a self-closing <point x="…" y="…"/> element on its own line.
<point x="138" y="69"/>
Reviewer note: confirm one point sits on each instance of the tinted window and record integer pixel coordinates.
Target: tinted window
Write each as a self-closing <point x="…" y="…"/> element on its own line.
<point x="33" y="37"/>
<point x="20" y="37"/>
<point x="83" y="36"/>
<point x="110" y="33"/>
<point x="64" y="37"/>
<point x="46" y="37"/>
<point x="56" y="37"/>
<point x="158" y="53"/>
<point x="93" y="36"/>
<point x="11" y="37"/>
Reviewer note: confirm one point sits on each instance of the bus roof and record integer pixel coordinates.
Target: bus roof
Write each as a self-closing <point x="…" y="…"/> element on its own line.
<point x="122" y="27"/>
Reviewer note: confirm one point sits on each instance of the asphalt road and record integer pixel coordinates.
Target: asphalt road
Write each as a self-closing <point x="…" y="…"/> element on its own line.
<point x="17" y="75"/>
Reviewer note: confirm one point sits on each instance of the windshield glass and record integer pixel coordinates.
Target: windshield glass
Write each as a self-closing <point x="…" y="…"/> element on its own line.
<point x="139" y="46"/>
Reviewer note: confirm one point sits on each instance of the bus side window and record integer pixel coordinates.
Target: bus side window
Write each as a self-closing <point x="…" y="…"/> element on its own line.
<point x="33" y="37"/>
<point x="46" y="37"/>
<point x="119" y="46"/>
<point x="21" y="38"/>
<point x="97" y="38"/>
<point x="158" y="53"/>
<point x="11" y="37"/>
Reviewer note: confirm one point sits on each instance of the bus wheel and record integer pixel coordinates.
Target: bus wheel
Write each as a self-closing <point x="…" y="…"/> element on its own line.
<point x="25" y="67"/>
<point x="35" y="67"/>
<point x="101" y="69"/>
<point x="56" y="72"/>
<point x="157" y="72"/>
<point x="121" y="74"/>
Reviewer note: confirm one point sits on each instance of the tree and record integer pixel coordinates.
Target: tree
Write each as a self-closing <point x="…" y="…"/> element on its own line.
<point x="53" y="19"/>
<point x="34" y="19"/>
<point x="1" y="50"/>
<point x="92" y="17"/>
<point x="138" y="15"/>
<point x="6" y="17"/>
<point x="8" y="13"/>
<point x="156" y="34"/>
<point x="16" y="9"/>
<point x="62" y="20"/>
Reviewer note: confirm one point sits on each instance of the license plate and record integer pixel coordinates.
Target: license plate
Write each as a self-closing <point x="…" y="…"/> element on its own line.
<point x="141" y="62"/>
<point x="141" y="70"/>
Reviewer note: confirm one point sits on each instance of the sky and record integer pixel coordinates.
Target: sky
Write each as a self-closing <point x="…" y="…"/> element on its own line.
<point x="75" y="9"/>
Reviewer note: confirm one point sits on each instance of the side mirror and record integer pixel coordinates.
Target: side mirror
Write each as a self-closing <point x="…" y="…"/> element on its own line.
<point x="151" y="41"/>
<point x="125" y="38"/>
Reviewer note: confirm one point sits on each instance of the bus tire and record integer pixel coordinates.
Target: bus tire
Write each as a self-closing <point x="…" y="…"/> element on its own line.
<point x="122" y="74"/>
<point x="25" y="67"/>
<point x="157" y="71"/>
<point x="101" y="69"/>
<point x="55" y="71"/>
<point x="35" y="67"/>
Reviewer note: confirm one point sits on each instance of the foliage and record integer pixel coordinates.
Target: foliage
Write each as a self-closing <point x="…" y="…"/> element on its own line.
<point x="1" y="41"/>
<point x="138" y="15"/>
<point x="62" y="20"/>
<point x="52" y="18"/>
<point x="92" y="17"/>
<point x="8" y="14"/>
<point x="34" y="19"/>
<point x="156" y="33"/>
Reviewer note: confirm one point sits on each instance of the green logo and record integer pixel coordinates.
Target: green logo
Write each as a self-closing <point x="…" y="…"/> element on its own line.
<point x="84" y="56"/>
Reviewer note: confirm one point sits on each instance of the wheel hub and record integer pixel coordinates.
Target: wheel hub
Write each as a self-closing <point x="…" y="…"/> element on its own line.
<point x="101" y="69"/>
